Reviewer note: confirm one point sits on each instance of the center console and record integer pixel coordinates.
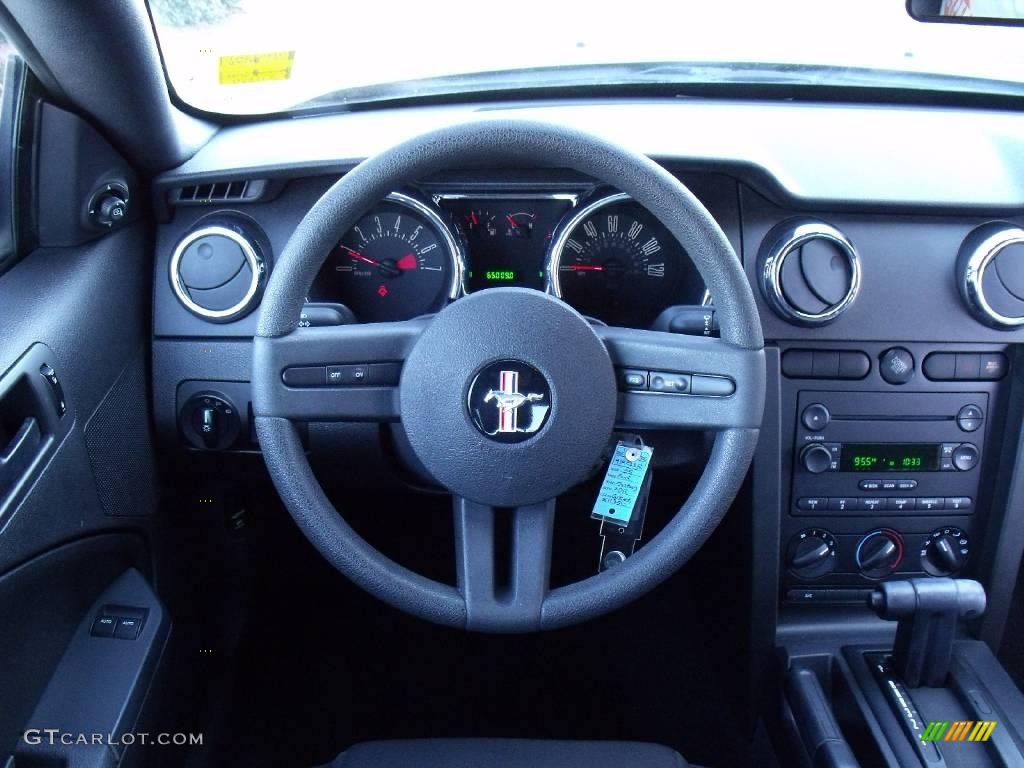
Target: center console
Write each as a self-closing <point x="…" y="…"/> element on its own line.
<point x="885" y="479"/>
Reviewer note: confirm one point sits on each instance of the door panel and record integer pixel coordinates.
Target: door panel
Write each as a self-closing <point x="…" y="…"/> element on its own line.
<point x="87" y="513"/>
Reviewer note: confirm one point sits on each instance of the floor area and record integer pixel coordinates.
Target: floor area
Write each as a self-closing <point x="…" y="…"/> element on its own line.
<point x="320" y="665"/>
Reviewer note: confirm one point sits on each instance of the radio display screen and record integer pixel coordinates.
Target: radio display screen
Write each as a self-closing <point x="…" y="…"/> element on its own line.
<point x="890" y="457"/>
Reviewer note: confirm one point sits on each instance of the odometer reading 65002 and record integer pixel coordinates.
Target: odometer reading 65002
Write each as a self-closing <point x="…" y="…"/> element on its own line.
<point x="890" y="457"/>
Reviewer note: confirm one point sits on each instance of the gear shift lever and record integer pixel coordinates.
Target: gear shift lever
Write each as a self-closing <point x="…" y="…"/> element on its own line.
<point x="928" y="611"/>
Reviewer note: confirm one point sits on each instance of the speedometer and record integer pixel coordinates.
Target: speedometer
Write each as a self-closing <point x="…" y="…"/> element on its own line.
<point x="398" y="261"/>
<point x="614" y="261"/>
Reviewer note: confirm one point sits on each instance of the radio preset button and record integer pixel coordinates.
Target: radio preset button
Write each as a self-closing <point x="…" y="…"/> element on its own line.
<point x="965" y="457"/>
<point x="812" y="503"/>
<point x="872" y="504"/>
<point x="930" y="502"/>
<point x="901" y="504"/>
<point x="843" y="504"/>
<point x="958" y="503"/>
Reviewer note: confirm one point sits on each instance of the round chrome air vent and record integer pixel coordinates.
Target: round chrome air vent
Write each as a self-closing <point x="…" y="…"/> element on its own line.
<point x="218" y="270"/>
<point x="990" y="274"/>
<point x="810" y="272"/>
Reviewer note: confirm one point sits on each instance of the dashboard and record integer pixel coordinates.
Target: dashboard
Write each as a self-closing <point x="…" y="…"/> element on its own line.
<point x="887" y="273"/>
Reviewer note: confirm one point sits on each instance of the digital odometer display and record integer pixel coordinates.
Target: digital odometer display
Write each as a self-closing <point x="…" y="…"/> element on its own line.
<point x="890" y="457"/>
<point x="506" y="238"/>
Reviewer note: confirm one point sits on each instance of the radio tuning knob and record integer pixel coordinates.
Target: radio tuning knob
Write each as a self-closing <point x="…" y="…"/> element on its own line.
<point x="816" y="459"/>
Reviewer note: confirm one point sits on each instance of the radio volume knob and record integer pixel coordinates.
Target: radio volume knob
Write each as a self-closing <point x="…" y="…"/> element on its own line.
<point x="816" y="459"/>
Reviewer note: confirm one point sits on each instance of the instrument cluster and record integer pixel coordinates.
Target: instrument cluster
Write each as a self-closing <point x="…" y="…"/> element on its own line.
<point x="601" y="252"/>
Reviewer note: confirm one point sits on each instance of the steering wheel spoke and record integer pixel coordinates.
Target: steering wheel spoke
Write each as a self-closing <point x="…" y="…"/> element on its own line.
<point x="503" y="578"/>
<point x="334" y="373"/>
<point x="686" y="382"/>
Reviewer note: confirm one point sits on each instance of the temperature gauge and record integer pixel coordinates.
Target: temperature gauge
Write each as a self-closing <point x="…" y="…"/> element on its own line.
<point x="519" y="224"/>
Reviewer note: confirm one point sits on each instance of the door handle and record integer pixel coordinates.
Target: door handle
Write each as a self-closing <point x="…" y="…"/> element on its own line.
<point x="17" y="455"/>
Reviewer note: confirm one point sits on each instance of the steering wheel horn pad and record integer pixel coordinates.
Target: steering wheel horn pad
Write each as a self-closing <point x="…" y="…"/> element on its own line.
<point x="477" y="333"/>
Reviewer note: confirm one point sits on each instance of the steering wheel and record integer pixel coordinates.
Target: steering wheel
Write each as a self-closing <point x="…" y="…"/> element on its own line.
<point x="449" y="360"/>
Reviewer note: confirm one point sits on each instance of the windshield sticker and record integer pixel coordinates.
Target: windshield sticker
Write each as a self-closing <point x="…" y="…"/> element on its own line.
<point x="256" y="67"/>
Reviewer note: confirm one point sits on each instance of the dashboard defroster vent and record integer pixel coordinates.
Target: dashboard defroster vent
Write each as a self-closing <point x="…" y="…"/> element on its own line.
<point x="809" y="271"/>
<point x="241" y="191"/>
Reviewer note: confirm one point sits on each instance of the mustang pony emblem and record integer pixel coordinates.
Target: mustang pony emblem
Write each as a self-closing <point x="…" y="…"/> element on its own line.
<point x="508" y="399"/>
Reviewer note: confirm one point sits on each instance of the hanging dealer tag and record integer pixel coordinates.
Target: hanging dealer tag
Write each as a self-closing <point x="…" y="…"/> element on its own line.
<point x="622" y="483"/>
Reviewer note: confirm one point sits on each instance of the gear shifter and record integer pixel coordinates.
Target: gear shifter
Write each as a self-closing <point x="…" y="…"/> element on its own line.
<point x="928" y="611"/>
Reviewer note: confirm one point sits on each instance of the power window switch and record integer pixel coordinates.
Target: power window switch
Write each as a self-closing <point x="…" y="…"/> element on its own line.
<point x="127" y="628"/>
<point x="104" y="626"/>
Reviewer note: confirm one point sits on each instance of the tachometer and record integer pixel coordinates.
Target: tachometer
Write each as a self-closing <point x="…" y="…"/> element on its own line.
<point x="614" y="261"/>
<point x="397" y="262"/>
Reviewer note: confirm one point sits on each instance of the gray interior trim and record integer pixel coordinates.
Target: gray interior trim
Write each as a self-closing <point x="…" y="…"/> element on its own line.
<point x="890" y="155"/>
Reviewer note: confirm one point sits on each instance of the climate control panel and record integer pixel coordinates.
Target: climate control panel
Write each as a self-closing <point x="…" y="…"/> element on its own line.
<point x="849" y="560"/>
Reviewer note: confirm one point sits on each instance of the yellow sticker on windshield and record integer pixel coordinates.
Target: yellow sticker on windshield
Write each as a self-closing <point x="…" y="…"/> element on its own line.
<point x="256" y="67"/>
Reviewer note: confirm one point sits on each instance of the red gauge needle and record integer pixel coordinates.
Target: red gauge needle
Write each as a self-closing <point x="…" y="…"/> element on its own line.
<point x="583" y="268"/>
<point x="512" y="222"/>
<point x="357" y="255"/>
<point x="407" y="262"/>
<point x="472" y="218"/>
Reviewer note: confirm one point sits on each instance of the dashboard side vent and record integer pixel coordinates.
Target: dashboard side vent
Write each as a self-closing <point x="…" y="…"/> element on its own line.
<point x="809" y="271"/>
<point x="241" y="191"/>
<point x="990" y="274"/>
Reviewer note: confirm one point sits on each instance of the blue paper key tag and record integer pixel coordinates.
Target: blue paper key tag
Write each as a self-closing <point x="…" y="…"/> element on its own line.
<point x="622" y="483"/>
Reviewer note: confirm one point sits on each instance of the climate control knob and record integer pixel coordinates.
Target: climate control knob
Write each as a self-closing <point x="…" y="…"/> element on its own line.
<point x="879" y="553"/>
<point x="812" y="553"/>
<point x="816" y="459"/>
<point x="945" y="551"/>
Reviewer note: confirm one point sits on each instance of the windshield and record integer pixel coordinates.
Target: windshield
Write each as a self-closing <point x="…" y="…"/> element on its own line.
<point x="259" y="56"/>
